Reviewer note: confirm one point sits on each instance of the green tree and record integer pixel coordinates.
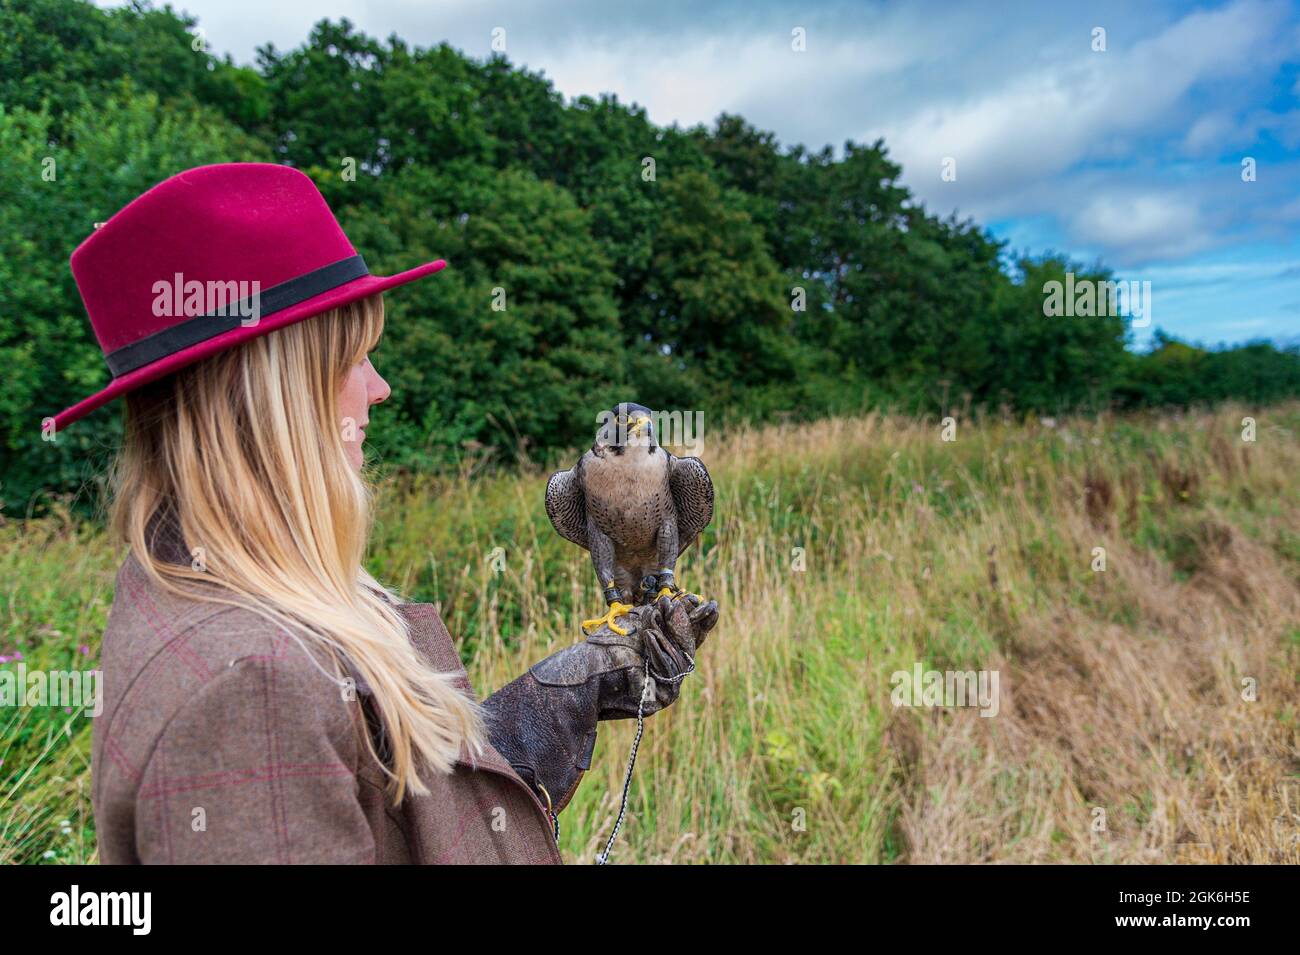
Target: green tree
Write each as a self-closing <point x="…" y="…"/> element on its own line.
<point x="679" y="289"/>
<point x="516" y="344"/>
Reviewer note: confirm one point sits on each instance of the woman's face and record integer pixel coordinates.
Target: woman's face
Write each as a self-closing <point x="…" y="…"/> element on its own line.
<point x="362" y="388"/>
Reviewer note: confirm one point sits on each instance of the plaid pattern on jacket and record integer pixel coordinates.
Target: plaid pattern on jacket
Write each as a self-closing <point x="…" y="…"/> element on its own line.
<point x="223" y="740"/>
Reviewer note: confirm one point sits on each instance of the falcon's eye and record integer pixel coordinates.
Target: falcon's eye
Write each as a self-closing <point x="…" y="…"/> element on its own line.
<point x="621" y="419"/>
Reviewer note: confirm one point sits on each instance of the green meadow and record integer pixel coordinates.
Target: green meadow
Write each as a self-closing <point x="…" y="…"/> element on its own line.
<point x="1147" y="710"/>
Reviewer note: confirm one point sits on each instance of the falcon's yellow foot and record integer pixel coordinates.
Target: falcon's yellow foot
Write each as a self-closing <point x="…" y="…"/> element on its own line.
<point x="677" y="594"/>
<point x="616" y="609"/>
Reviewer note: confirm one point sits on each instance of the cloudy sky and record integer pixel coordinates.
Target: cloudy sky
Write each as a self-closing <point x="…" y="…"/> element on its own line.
<point x="1132" y="155"/>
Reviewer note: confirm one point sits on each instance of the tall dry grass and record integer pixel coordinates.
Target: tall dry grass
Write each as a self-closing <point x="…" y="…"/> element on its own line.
<point x="843" y="551"/>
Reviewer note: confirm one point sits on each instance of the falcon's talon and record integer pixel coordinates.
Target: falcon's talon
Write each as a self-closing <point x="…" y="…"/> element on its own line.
<point x="616" y="609"/>
<point x="666" y="592"/>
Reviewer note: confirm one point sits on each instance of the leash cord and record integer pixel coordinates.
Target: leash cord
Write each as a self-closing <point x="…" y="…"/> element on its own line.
<point x="648" y="687"/>
<point x="550" y="811"/>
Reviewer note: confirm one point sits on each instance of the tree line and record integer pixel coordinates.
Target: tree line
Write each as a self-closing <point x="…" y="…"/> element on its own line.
<point x="595" y="256"/>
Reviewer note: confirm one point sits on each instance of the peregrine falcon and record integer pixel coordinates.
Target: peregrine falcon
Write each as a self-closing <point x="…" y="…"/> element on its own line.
<point x="635" y="506"/>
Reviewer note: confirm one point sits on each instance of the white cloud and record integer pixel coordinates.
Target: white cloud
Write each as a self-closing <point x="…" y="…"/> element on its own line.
<point x="1210" y="132"/>
<point x="1142" y="227"/>
<point x="1033" y="125"/>
<point x="1129" y="155"/>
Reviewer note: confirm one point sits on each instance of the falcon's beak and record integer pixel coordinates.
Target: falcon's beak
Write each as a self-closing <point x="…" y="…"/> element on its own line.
<point x="638" y="424"/>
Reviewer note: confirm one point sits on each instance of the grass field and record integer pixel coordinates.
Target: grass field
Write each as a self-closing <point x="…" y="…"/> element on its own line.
<point x="1148" y="712"/>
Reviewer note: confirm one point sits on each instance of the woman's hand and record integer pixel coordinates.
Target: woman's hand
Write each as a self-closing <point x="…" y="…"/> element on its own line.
<point x="544" y="723"/>
<point x="666" y="634"/>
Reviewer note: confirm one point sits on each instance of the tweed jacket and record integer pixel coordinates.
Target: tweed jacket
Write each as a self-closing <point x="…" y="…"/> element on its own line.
<point x="223" y="740"/>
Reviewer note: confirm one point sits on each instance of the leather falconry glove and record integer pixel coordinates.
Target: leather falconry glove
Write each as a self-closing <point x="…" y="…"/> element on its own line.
<point x="544" y="723"/>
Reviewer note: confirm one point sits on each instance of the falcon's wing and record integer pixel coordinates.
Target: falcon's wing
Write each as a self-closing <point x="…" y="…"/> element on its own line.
<point x="692" y="490"/>
<point x="566" y="506"/>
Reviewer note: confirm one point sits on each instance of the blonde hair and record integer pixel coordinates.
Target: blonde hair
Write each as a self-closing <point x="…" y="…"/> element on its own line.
<point x="244" y="452"/>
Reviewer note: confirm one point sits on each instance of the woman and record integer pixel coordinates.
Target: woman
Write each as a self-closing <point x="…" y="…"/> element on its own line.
<point x="267" y="700"/>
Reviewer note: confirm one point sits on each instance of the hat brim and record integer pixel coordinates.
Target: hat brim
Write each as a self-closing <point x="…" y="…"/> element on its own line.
<point x="334" y="298"/>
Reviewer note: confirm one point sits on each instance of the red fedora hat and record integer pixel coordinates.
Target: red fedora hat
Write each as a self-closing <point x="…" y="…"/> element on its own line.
<point x="210" y="258"/>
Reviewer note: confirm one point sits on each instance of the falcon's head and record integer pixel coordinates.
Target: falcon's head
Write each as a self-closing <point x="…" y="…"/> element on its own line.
<point x="627" y="425"/>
